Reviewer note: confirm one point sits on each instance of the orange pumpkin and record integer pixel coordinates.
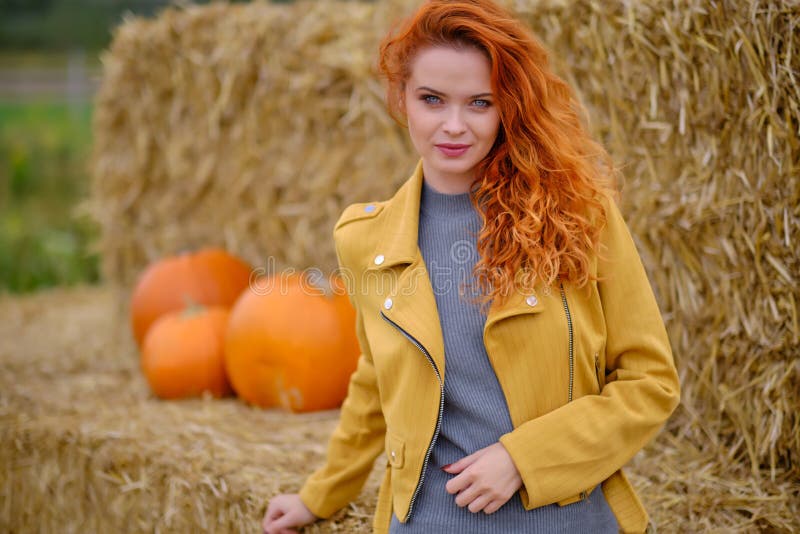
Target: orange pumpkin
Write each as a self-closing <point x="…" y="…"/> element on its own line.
<point x="211" y="276"/>
<point x="182" y="355"/>
<point x="291" y="344"/>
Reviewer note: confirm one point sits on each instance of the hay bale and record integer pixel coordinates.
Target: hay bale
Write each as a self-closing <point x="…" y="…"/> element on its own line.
<point x="245" y="126"/>
<point x="87" y="448"/>
<point x="702" y="104"/>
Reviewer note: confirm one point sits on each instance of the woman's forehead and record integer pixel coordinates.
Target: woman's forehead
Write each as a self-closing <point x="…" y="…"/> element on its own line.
<point x="450" y="70"/>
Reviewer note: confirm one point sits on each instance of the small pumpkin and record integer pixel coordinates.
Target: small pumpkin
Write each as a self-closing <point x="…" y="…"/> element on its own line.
<point x="291" y="343"/>
<point x="182" y="354"/>
<point x="211" y="276"/>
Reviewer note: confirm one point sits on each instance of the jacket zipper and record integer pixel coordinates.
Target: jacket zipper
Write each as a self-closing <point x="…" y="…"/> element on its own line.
<point x="584" y="494"/>
<point x="569" y="325"/>
<point x="438" y="418"/>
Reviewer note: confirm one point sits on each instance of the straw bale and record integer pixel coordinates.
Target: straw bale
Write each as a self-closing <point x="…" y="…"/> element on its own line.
<point x="251" y="126"/>
<point x="210" y="128"/>
<point x="87" y="448"/>
<point x="702" y="104"/>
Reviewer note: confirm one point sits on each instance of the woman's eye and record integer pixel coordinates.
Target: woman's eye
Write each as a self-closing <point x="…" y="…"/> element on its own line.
<point x="431" y="99"/>
<point x="482" y="103"/>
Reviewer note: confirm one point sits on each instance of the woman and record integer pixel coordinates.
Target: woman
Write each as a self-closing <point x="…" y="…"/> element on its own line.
<point x="504" y="265"/>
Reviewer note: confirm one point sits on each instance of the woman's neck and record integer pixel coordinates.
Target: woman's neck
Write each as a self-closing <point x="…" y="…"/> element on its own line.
<point x="449" y="184"/>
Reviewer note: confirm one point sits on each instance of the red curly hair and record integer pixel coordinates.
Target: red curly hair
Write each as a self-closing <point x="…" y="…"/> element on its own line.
<point x="540" y="189"/>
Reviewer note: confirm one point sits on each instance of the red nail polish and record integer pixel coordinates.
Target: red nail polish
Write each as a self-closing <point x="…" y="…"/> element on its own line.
<point x="444" y="467"/>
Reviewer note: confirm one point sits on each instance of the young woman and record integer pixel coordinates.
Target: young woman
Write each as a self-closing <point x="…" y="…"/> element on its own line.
<point x="513" y="355"/>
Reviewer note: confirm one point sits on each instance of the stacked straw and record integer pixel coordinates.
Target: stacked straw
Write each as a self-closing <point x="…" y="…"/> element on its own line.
<point x="701" y="104"/>
<point x="246" y="126"/>
<point x="87" y="448"/>
<point x="251" y="126"/>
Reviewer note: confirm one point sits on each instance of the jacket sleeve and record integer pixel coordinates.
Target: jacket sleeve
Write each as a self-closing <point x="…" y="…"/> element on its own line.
<point x="577" y="446"/>
<point x="357" y="440"/>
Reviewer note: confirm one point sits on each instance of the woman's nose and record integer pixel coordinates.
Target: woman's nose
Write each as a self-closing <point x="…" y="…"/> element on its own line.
<point x="454" y="123"/>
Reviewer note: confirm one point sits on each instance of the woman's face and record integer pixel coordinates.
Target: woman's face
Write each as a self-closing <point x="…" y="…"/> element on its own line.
<point x="451" y="114"/>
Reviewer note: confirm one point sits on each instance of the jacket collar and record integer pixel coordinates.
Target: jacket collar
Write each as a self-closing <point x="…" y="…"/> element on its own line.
<point x="398" y="242"/>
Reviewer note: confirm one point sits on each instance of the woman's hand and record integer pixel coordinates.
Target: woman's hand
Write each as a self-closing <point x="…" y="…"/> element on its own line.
<point x="284" y="512"/>
<point x="486" y="479"/>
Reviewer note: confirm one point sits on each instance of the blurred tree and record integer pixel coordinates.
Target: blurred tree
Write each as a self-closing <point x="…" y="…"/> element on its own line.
<point x="11" y="6"/>
<point x="67" y="24"/>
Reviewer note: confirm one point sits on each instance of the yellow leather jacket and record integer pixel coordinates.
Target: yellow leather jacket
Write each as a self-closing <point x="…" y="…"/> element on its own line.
<point x="588" y="375"/>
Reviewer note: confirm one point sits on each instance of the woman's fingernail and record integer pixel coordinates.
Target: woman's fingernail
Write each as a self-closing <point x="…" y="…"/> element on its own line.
<point x="445" y="467"/>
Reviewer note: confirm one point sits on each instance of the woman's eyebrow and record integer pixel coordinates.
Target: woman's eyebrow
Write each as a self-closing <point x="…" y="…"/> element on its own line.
<point x="439" y="93"/>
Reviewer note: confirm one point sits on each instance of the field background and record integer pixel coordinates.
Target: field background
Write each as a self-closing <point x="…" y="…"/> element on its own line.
<point x="49" y="71"/>
<point x="45" y="141"/>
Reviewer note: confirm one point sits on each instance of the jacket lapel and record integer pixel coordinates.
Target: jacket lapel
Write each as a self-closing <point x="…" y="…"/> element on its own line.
<point x="411" y="304"/>
<point x="517" y="303"/>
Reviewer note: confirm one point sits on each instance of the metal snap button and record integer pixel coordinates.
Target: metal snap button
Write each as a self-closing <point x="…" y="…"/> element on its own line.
<point x="379" y="259"/>
<point x="369" y="208"/>
<point x="387" y="303"/>
<point x="532" y="300"/>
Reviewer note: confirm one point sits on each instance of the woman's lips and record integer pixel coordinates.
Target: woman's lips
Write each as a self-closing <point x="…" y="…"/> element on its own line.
<point x="452" y="150"/>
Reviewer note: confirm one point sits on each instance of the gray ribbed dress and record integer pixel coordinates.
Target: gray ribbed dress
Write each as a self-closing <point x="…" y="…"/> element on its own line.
<point x="475" y="411"/>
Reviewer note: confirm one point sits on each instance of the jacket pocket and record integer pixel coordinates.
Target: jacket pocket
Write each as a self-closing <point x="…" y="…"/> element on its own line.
<point x="395" y="450"/>
<point x="599" y="372"/>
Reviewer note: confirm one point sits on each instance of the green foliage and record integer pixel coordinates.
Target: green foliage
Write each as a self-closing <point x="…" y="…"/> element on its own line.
<point x="68" y="24"/>
<point x="44" y="148"/>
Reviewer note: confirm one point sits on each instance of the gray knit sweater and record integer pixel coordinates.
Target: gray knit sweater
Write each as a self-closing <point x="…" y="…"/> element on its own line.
<point x="475" y="411"/>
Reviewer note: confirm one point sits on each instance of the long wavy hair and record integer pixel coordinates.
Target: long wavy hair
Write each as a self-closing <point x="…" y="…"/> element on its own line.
<point x="541" y="188"/>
